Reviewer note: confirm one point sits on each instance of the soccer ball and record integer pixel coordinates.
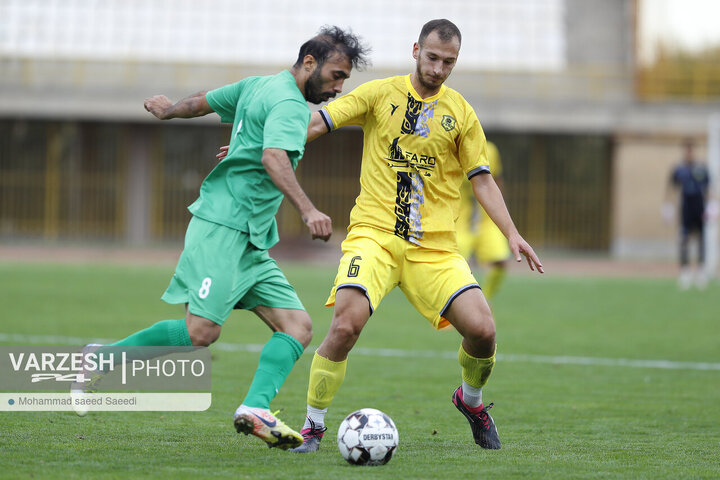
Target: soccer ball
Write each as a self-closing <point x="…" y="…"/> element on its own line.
<point x="367" y="437"/>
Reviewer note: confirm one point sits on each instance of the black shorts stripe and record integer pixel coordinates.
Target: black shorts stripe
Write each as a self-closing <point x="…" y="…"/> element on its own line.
<point x="359" y="287"/>
<point x="455" y="295"/>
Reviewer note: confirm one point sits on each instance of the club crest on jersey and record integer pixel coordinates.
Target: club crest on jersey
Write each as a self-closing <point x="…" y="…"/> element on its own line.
<point x="447" y="122"/>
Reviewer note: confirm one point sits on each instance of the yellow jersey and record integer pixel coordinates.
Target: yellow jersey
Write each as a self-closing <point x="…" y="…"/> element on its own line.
<point x="416" y="153"/>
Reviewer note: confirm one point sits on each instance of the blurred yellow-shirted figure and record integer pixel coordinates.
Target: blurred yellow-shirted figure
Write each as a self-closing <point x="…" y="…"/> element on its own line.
<point x="478" y="236"/>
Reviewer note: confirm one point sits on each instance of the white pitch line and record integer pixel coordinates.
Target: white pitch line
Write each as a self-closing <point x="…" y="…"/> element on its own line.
<point x="401" y="353"/>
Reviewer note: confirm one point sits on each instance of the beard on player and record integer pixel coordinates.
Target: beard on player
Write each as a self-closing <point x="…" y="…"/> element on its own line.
<point x="313" y="88"/>
<point x="428" y="79"/>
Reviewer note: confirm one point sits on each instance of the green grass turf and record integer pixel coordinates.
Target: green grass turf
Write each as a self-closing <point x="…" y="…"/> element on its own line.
<point x="556" y="420"/>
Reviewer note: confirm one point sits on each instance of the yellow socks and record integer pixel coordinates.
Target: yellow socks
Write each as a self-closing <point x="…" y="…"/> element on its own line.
<point x="475" y="371"/>
<point x="492" y="281"/>
<point x="326" y="377"/>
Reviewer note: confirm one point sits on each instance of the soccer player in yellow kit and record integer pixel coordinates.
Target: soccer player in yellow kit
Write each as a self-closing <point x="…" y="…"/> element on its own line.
<point x="421" y="139"/>
<point x="478" y="236"/>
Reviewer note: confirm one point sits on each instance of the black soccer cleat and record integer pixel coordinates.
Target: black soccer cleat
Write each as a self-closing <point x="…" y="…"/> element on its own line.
<point x="483" y="427"/>
<point x="311" y="438"/>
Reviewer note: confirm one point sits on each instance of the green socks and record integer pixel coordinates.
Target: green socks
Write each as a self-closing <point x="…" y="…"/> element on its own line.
<point x="276" y="360"/>
<point x="167" y="333"/>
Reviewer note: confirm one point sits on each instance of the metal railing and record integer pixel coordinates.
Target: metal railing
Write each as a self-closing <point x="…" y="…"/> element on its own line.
<point x="70" y="180"/>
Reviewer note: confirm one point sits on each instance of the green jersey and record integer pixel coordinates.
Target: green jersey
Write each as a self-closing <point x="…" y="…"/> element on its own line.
<point x="266" y="112"/>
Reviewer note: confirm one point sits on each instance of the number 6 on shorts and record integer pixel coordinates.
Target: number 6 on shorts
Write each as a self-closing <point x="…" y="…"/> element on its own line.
<point x="354" y="269"/>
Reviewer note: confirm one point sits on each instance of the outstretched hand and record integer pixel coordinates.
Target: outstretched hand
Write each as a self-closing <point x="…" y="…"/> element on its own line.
<point x="520" y="247"/>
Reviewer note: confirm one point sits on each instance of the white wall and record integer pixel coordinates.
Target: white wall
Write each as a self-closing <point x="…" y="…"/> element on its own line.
<point x="497" y="34"/>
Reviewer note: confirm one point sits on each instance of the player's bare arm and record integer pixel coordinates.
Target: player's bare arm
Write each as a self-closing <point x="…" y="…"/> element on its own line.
<point x="316" y="127"/>
<point x="195" y="105"/>
<point x="277" y="164"/>
<point x="489" y="195"/>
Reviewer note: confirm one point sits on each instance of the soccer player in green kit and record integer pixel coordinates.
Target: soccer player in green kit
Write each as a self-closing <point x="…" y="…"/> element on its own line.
<point x="225" y="262"/>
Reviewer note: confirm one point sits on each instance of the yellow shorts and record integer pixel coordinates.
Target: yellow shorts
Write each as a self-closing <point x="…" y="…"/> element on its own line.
<point x="376" y="262"/>
<point x="488" y="244"/>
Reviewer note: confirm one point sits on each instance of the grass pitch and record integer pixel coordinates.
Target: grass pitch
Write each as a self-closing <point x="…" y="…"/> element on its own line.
<point x="572" y="396"/>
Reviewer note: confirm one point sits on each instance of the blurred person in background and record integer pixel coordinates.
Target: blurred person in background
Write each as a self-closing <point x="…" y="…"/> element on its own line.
<point x="478" y="237"/>
<point x="690" y="181"/>
<point x="225" y="263"/>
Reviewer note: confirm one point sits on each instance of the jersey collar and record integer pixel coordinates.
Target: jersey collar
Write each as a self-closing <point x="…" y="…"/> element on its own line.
<point x="417" y="96"/>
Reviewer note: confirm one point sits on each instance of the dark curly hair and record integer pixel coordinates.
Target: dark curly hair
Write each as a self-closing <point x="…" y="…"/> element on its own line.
<point x="331" y="39"/>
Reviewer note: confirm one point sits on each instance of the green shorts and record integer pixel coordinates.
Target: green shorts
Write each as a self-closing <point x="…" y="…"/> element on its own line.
<point x="220" y="269"/>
